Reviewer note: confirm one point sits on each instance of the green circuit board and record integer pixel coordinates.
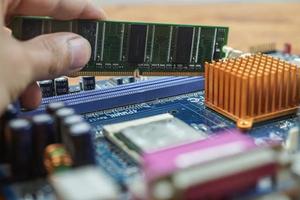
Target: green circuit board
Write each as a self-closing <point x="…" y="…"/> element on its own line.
<point x="122" y="48"/>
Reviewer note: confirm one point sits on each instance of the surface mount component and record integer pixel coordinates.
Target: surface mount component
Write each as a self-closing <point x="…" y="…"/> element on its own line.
<point x="121" y="48"/>
<point x="252" y="89"/>
<point x="150" y="134"/>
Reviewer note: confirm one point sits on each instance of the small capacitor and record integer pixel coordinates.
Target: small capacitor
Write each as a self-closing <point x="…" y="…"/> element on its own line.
<point x="72" y="120"/>
<point x="81" y="145"/>
<point x="119" y="81"/>
<point x="67" y="123"/>
<point x="43" y="134"/>
<point x="10" y="113"/>
<point x="61" y="85"/>
<point x="88" y="83"/>
<point x="53" y="107"/>
<point x="56" y="158"/>
<point x="47" y="88"/>
<point x="131" y="79"/>
<point x="21" y="146"/>
<point x="60" y="115"/>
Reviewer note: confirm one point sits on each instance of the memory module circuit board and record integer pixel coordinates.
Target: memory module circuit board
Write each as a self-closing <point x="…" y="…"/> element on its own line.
<point x="121" y="48"/>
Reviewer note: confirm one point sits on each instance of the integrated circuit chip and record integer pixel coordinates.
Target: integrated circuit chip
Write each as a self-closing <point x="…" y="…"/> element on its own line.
<point x="112" y="43"/>
<point x="60" y="26"/>
<point x="31" y="29"/>
<point x="89" y="28"/>
<point x="150" y="134"/>
<point x="137" y="43"/>
<point x="161" y="43"/>
<point x="184" y="40"/>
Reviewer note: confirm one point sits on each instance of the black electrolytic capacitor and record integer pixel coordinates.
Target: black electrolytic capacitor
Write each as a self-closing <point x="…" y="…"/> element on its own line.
<point x="43" y="134"/>
<point x="81" y="145"/>
<point x="61" y="85"/>
<point x="53" y="107"/>
<point x="21" y="148"/>
<point x="87" y="83"/>
<point x="119" y="81"/>
<point x="131" y="79"/>
<point x="47" y="88"/>
<point x="10" y="113"/>
<point x="60" y="115"/>
<point x="67" y="123"/>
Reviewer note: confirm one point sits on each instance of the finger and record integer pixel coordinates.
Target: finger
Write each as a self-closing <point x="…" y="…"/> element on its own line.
<point x="31" y="97"/>
<point x="59" y="9"/>
<point x="2" y="7"/>
<point x="7" y="31"/>
<point x="56" y="54"/>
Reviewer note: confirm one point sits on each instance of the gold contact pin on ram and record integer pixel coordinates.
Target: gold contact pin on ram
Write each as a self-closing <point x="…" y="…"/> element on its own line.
<point x="252" y="89"/>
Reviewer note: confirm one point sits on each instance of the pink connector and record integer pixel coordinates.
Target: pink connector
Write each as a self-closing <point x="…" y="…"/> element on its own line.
<point x="212" y="168"/>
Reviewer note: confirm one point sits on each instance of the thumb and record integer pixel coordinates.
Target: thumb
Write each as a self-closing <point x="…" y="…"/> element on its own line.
<point x="56" y="54"/>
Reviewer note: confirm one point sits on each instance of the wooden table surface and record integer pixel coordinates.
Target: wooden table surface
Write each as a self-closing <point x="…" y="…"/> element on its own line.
<point x="250" y="23"/>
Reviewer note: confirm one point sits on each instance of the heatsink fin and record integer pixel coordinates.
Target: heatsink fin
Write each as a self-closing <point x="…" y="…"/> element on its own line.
<point x="252" y="89"/>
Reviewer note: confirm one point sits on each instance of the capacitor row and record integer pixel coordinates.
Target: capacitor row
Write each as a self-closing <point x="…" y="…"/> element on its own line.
<point x="60" y="86"/>
<point x="25" y="142"/>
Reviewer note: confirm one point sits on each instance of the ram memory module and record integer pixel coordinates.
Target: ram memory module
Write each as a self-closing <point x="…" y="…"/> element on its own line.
<point x="122" y="48"/>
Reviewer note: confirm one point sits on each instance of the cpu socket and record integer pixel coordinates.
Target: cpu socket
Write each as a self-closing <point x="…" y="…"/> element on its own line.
<point x="150" y="134"/>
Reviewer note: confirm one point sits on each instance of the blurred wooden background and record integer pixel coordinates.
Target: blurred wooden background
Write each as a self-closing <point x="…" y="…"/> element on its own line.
<point x="249" y="23"/>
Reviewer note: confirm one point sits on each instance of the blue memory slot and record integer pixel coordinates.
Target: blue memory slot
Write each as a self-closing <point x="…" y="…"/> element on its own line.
<point x="124" y="95"/>
<point x="109" y="90"/>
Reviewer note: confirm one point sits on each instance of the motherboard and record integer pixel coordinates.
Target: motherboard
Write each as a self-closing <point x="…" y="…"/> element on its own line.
<point x="158" y="137"/>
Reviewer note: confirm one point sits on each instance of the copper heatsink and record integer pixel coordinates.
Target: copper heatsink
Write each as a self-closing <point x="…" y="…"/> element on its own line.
<point x="252" y="89"/>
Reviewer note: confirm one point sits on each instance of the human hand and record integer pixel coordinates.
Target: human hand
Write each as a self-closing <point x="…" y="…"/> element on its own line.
<point x="44" y="57"/>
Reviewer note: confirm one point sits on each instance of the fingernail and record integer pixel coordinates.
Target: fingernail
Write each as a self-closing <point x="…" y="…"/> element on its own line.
<point x="80" y="52"/>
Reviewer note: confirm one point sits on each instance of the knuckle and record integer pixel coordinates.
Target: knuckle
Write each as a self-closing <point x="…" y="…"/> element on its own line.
<point x="12" y="4"/>
<point x="58" y="56"/>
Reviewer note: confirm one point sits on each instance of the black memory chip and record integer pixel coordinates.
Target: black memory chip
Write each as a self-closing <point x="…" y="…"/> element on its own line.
<point x="137" y="42"/>
<point x="31" y="28"/>
<point x="184" y="39"/>
<point x="87" y="29"/>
